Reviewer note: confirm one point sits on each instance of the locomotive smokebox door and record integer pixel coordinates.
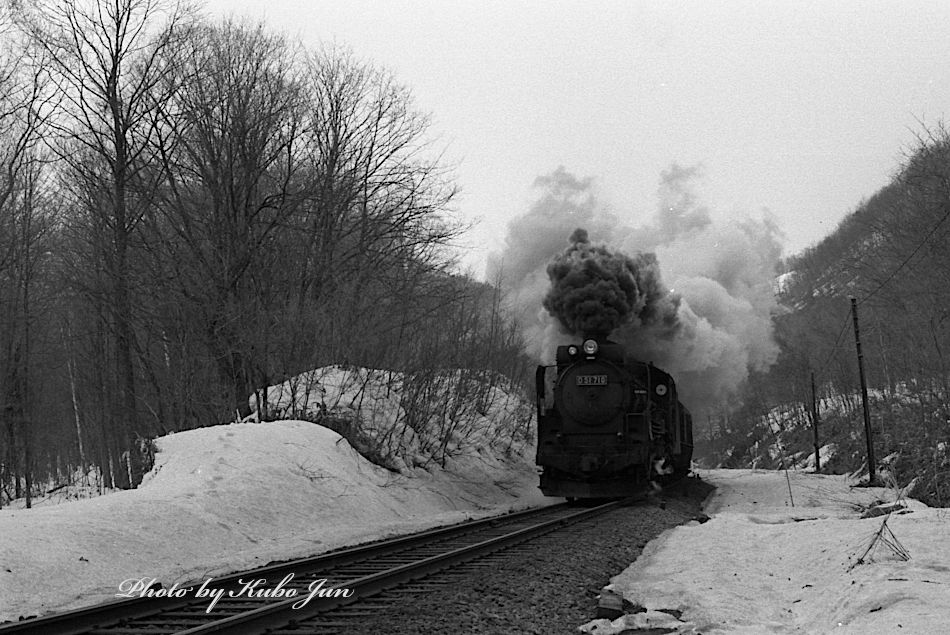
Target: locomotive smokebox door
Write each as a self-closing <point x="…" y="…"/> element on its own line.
<point x="590" y="462"/>
<point x="592" y="393"/>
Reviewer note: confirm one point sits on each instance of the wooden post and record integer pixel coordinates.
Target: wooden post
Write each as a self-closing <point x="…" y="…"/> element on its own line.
<point x="872" y="466"/>
<point x="814" y="423"/>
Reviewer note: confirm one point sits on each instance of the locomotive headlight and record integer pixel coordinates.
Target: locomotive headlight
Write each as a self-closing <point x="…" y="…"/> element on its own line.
<point x="572" y="350"/>
<point x="590" y="347"/>
<point x="661" y="389"/>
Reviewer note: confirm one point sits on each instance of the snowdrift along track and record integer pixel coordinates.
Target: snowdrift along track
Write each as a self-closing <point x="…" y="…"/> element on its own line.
<point x="363" y="571"/>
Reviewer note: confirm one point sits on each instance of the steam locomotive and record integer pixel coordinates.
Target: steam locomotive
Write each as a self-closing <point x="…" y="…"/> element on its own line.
<point x="608" y="424"/>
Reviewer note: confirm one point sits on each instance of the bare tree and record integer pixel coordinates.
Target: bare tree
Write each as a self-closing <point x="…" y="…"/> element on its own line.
<point x="377" y="218"/>
<point x="24" y="228"/>
<point x="108" y="60"/>
<point x="230" y="144"/>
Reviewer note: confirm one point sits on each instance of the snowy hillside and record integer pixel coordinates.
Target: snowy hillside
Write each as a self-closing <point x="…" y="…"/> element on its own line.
<point x="792" y="556"/>
<point x="402" y="421"/>
<point x="906" y="426"/>
<point x="235" y="496"/>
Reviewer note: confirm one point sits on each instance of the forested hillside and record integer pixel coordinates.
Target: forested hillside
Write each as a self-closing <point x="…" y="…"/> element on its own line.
<point x="191" y="211"/>
<point x="891" y="254"/>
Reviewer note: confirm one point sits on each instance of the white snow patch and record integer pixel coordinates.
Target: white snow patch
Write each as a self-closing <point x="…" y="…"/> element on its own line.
<point x="644" y="620"/>
<point x="764" y="565"/>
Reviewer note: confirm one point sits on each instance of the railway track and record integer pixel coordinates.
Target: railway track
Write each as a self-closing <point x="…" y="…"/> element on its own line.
<point x="310" y="595"/>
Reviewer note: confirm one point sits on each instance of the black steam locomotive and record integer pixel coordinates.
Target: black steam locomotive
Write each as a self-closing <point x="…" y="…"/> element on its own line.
<point x="608" y="424"/>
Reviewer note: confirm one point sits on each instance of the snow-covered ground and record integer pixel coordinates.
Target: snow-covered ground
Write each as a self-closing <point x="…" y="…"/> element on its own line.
<point x="790" y="555"/>
<point x="229" y="497"/>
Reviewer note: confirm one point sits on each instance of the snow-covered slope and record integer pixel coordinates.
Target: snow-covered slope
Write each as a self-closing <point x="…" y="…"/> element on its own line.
<point x="790" y="555"/>
<point x="408" y="420"/>
<point x="234" y="496"/>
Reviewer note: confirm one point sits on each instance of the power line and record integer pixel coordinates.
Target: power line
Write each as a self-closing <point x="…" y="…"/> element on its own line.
<point x="834" y="349"/>
<point x="844" y="325"/>
<point x="908" y="259"/>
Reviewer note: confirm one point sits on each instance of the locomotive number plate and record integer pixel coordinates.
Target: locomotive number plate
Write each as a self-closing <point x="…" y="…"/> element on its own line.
<point x="592" y="380"/>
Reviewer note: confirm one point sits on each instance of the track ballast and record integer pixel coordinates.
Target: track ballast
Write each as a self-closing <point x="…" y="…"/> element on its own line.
<point x="360" y="579"/>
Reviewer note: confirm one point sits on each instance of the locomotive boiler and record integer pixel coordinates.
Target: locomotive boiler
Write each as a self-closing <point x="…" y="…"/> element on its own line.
<point x="608" y="424"/>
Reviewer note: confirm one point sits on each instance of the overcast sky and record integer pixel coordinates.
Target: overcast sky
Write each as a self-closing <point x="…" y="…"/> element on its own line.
<point x="800" y="108"/>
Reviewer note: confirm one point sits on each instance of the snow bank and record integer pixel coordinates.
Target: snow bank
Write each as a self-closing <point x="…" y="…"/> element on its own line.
<point x="234" y="496"/>
<point x="788" y="555"/>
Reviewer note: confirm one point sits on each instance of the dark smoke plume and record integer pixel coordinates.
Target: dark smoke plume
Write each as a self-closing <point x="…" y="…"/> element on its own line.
<point x="709" y="334"/>
<point x="595" y="291"/>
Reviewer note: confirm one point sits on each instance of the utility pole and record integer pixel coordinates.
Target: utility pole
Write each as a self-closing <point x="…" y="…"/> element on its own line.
<point x="872" y="466"/>
<point x="814" y="423"/>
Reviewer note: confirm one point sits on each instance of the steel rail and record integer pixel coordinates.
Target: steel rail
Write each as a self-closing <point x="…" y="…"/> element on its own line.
<point x="280" y="613"/>
<point x="78" y="621"/>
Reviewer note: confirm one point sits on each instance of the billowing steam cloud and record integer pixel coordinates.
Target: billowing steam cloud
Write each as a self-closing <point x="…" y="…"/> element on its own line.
<point x="595" y="291"/>
<point x="709" y="327"/>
